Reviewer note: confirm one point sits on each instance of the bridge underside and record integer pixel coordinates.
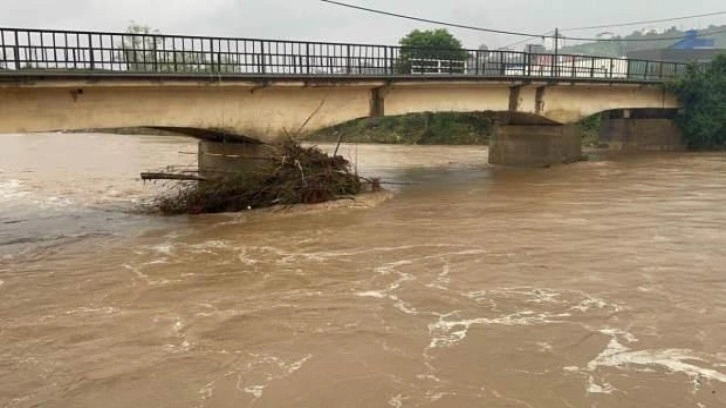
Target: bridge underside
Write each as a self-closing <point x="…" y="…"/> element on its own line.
<point x="263" y="110"/>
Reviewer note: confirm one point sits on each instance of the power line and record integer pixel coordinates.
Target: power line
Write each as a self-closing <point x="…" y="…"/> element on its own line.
<point x="505" y="32"/>
<point x="514" y="44"/>
<point x="430" y="21"/>
<point x="662" y="20"/>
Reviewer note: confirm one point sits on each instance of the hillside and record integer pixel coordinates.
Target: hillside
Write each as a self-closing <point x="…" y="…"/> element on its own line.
<point x="621" y="48"/>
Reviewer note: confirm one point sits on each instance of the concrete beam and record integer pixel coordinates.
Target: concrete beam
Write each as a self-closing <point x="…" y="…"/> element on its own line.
<point x="266" y="109"/>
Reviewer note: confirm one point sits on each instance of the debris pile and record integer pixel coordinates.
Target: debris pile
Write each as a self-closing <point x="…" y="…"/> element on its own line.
<point x="292" y="174"/>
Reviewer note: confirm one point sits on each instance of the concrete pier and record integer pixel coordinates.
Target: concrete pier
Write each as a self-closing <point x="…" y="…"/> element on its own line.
<point x="635" y="134"/>
<point x="535" y="146"/>
<point x="217" y="159"/>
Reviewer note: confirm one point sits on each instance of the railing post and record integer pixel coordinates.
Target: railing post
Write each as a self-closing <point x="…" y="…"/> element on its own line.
<point x="347" y="58"/>
<point x="476" y="63"/>
<point x="263" y="69"/>
<point x="90" y="52"/>
<point x="211" y="55"/>
<point x="307" y="58"/>
<point x="574" y="69"/>
<point x="173" y="53"/>
<point x="389" y="63"/>
<point x="647" y="67"/>
<point x="16" y="51"/>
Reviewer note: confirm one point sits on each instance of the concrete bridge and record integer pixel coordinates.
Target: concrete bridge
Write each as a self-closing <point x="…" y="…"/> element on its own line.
<point x="256" y="91"/>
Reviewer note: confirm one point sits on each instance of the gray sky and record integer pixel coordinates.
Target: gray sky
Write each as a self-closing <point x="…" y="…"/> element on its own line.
<point x="315" y="20"/>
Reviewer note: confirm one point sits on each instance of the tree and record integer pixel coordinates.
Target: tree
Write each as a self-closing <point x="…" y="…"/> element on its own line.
<point x="139" y="48"/>
<point x="431" y="51"/>
<point x="702" y="93"/>
<point x="145" y="50"/>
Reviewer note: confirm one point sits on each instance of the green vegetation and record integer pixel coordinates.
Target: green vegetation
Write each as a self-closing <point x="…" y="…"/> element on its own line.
<point x="449" y="128"/>
<point x="702" y="93"/>
<point x="621" y="48"/>
<point x="423" y="51"/>
<point x="590" y="129"/>
<point x="292" y="175"/>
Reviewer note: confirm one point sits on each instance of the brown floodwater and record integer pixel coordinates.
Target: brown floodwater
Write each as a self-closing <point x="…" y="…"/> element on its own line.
<point x="597" y="284"/>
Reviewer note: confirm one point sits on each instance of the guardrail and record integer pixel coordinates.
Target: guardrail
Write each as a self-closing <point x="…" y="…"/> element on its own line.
<point x="31" y="51"/>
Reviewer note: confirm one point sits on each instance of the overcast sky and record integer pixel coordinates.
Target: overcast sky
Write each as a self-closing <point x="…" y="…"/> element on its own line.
<point x="315" y="20"/>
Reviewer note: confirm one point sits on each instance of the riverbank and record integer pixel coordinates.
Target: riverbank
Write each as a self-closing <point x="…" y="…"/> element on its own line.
<point x="443" y="128"/>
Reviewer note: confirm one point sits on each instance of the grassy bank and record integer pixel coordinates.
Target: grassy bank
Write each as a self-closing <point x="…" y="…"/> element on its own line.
<point x="446" y="128"/>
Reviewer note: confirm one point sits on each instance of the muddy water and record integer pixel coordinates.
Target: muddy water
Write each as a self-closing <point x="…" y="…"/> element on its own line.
<point x="599" y="284"/>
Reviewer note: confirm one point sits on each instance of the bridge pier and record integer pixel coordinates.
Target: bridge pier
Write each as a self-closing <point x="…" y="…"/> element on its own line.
<point x="647" y="130"/>
<point x="535" y="145"/>
<point x="216" y="158"/>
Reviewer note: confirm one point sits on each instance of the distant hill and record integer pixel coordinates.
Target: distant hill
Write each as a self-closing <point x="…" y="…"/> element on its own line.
<point x="621" y="48"/>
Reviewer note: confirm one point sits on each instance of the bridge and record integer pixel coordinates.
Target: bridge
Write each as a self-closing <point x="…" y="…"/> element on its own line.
<point x="255" y="91"/>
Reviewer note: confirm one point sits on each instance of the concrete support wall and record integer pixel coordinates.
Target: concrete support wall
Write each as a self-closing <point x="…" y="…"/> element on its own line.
<point x="641" y="134"/>
<point x="535" y="146"/>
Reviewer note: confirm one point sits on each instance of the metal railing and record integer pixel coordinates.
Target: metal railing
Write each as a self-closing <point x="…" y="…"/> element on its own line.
<point x="31" y="51"/>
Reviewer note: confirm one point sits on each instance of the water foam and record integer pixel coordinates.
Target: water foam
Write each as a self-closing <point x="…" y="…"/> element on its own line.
<point x="446" y="333"/>
<point x="11" y="189"/>
<point x="618" y="355"/>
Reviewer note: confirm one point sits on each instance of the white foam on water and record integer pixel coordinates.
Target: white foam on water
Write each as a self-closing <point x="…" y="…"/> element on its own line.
<point x="378" y="294"/>
<point x="11" y="189"/>
<point x="397" y="401"/>
<point x="55" y="202"/>
<point x="277" y="364"/>
<point x="184" y="345"/>
<point x="446" y="333"/>
<point x="435" y="396"/>
<point x="389" y="268"/>
<point x="387" y="293"/>
<point x="207" y="391"/>
<point x="442" y="279"/>
<point x="403" y="306"/>
<point x="544" y="347"/>
<point x="591" y="303"/>
<point x="256" y="390"/>
<point x="207" y="246"/>
<point x="106" y="310"/>
<point x="594" y="388"/>
<point x="246" y="259"/>
<point x="165" y="249"/>
<point x="298" y="364"/>
<point x="617" y="355"/>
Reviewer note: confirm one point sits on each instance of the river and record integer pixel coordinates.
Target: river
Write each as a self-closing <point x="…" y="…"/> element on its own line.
<point x="597" y="284"/>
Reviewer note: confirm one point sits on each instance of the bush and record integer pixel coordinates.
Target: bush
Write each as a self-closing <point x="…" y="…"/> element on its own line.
<point x="702" y="93"/>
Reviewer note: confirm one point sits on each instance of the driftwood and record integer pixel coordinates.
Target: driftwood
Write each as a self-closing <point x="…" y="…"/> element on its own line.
<point x="171" y="176"/>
